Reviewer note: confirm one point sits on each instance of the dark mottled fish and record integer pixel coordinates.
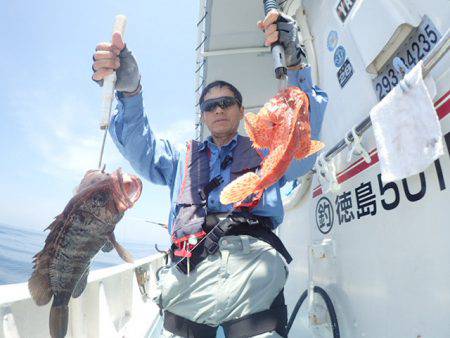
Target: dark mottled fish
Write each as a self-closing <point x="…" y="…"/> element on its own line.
<point x="84" y="227"/>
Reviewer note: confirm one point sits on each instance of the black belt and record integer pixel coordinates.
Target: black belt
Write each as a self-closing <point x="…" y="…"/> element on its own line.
<point x="272" y="319"/>
<point x="235" y="224"/>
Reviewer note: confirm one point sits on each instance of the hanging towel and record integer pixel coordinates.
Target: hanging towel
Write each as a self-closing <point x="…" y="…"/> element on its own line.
<point x="406" y="127"/>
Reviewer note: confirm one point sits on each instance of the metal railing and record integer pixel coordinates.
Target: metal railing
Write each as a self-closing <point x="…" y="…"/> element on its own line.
<point x="201" y="63"/>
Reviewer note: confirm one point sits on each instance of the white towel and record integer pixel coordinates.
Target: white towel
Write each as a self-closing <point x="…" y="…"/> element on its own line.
<point x="406" y="127"/>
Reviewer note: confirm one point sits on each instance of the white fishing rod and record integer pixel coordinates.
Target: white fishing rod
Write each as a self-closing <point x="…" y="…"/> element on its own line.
<point x="109" y="83"/>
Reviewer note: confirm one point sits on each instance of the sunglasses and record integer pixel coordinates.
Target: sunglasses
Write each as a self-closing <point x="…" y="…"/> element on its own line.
<point x="222" y="102"/>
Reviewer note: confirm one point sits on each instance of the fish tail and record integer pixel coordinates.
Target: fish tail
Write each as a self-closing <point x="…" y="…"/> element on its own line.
<point x="240" y="188"/>
<point x="39" y="286"/>
<point x="314" y="148"/>
<point x="59" y="316"/>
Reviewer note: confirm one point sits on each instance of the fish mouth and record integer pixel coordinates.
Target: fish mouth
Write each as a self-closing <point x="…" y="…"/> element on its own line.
<point x="128" y="189"/>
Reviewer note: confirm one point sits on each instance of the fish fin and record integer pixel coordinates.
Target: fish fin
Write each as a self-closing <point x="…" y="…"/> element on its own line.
<point x="314" y="148"/>
<point x="81" y="285"/>
<point x="259" y="128"/>
<point x="123" y="253"/>
<point x="39" y="286"/>
<point x="59" y="317"/>
<point x="240" y="188"/>
<point x="56" y="223"/>
<point x="271" y="161"/>
<point x="108" y="246"/>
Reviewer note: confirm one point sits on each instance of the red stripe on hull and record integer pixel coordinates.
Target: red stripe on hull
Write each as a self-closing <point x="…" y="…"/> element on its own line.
<point x="442" y="98"/>
<point x="360" y="165"/>
<point x="443" y="110"/>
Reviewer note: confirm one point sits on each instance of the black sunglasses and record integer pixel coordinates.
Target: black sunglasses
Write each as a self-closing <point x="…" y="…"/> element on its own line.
<point x="222" y="102"/>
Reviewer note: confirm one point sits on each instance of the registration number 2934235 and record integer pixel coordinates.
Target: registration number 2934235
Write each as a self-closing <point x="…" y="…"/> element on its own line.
<point x="416" y="46"/>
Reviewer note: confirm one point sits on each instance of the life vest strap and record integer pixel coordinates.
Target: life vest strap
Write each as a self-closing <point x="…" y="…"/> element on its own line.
<point x="235" y="224"/>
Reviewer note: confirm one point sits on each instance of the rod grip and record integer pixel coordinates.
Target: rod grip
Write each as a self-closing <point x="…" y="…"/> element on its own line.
<point x="110" y="81"/>
<point x="279" y="59"/>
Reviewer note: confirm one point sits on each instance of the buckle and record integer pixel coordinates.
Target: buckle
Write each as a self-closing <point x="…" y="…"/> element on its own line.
<point x="252" y="221"/>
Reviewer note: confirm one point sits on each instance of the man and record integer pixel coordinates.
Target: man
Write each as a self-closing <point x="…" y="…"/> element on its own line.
<point x="229" y="270"/>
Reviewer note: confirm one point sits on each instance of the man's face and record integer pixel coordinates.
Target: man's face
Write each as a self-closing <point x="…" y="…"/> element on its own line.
<point x="222" y="122"/>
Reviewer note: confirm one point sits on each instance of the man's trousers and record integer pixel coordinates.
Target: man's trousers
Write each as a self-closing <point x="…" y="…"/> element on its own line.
<point x="243" y="277"/>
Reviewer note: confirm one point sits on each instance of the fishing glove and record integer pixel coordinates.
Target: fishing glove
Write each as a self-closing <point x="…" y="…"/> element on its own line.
<point x="289" y="38"/>
<point x="128" y="77"/>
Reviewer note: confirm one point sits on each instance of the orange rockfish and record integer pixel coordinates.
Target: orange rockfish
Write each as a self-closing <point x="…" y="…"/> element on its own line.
<point x="282" y="126"/>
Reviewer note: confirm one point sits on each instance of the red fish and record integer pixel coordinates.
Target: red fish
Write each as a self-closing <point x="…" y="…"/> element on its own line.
<point x="84" y="227"/>
<point x="282" y="126"/>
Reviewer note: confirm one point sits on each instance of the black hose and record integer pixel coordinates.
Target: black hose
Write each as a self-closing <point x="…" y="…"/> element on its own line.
<point x="296" y="309"/>
<point x="329" y="305"/>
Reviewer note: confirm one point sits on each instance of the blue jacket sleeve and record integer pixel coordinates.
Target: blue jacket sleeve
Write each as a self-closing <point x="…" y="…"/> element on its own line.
<point x="318" y="100"/>
<point x="152" y="158"/>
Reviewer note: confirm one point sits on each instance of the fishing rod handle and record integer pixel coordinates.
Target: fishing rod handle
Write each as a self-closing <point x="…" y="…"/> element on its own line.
<point x="110" y="80"/>
<point x="279" y="59"/>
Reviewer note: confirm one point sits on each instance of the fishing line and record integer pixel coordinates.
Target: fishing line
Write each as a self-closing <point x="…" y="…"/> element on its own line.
<point x="102" y="149"/>
<point x="164" y="225"/>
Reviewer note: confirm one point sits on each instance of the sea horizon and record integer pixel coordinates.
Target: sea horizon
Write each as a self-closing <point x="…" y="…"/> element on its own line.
<point x="19" y="244"/>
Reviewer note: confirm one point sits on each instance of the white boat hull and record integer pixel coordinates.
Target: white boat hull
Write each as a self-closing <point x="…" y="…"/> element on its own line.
<point x="111" y="306"/>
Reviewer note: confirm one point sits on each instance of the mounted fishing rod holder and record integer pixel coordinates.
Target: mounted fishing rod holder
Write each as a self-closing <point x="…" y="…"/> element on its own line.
<point x="321" y="314"/>
<point x="353" y="140"/>
<point x="327" y="174"/>
<point x="142" y="279"/>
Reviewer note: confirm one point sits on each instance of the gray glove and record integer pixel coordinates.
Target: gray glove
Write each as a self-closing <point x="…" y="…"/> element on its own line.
<point x="128" y="76"/>
<point x="288" y="37"/>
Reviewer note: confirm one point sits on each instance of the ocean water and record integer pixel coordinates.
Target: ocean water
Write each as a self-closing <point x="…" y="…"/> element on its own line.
<point x="19" y="245"/>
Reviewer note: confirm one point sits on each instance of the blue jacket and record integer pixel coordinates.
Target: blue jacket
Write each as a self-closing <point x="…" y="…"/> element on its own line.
<point x="161" y="163"/>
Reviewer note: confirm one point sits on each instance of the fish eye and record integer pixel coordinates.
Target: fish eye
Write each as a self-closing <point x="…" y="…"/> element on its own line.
<point x="79" y="217"/>
<point x="100" y="199"/>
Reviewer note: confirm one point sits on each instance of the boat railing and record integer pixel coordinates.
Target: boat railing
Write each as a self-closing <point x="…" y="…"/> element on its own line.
<point x="117" y="302"/>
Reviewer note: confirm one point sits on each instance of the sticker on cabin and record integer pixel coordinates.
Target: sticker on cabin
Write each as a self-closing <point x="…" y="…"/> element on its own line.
<point x="345" y="73"/>
<point x="339" y="56"/>
<point x="324" y="215"/>
<point x="344" y="8"/>
<point x="332" y="40"/>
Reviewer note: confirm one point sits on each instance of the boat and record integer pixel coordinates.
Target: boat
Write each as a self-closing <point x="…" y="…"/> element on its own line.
<point x="371" y="259"/>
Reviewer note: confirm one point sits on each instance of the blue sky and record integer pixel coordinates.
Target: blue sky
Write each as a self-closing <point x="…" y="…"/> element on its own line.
<point x="49" y="133"/>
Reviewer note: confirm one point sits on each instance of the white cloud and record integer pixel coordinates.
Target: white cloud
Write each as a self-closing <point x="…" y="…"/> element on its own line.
<point x="63" y="132"/>
<point x="178" y="133"/>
